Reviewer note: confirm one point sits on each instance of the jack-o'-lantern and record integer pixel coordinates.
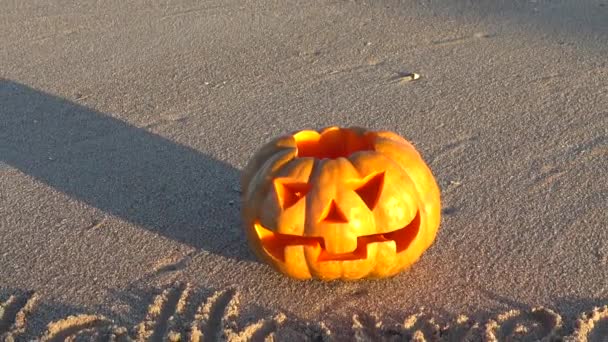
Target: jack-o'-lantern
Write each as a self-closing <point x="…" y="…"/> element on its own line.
<point x="339" y="203"/>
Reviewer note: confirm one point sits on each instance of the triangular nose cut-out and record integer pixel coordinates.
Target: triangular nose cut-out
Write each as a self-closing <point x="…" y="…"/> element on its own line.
<point x="370" y="190"/>
<point x="333" y="214"/>
<point x="290" y="192"/>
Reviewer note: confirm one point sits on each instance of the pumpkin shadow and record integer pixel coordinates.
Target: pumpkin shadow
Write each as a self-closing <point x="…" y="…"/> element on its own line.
<point x="125" y="171"/>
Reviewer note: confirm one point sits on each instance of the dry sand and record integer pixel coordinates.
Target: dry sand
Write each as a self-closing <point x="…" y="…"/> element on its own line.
<point x="124" y="124"/>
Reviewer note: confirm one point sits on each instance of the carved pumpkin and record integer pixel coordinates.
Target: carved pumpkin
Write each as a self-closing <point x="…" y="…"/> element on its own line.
<point x="341" y="203"/>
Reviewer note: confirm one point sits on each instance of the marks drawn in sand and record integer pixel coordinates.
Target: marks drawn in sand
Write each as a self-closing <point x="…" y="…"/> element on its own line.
<point x="174" y="316"/>
<point x="539" y="324"/>
<point x="193" y="11"/>
<point x="596" y="147"/>
<point x="72" y="327"/>
<point x="216" y="319"/>
<point x="208" y="318"/>
<point x="13" y="315"/>
<point x="298" y="330"/>
<point x="171" y="264"/>
<point x="550" y="175"/>
<point x="453" y="148"/>
<point x="548" y="178"/>
<point x="592" y="326"/>
<point x="453" y="151"/>
<point x="164" y="314"/>
<point x="462" y="40"/>
<point x="365" y="328"/>
<point x="463" y="329"/>
<point x="417" y="327"/>
<point x="421" y="327"/>
<point x="96" y="224"/>
<point x="177" y="314"/>
<point x="545" y="80"/>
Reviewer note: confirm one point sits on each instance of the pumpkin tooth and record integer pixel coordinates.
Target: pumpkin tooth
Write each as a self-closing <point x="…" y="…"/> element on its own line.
<point x="358" y="254"/>
<point x="275" y="243"/>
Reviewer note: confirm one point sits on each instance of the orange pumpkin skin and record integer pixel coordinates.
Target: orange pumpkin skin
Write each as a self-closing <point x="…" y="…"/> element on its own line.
<point x="339" y="203"/>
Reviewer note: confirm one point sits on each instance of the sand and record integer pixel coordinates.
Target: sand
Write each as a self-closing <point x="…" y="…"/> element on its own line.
<point x="124" y="126"/>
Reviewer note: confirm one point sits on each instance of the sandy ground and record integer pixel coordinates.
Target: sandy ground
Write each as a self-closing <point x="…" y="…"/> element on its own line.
<point x="124" y="126"/>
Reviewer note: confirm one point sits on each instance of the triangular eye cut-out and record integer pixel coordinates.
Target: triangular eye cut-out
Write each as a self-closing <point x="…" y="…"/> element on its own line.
<point x="290" y="192"/>
<point x="333" y="214"/>
<point x="371" y="189"/>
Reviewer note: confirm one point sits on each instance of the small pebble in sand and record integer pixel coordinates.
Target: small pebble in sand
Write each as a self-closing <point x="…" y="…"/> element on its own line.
<point x="404" y="78"/>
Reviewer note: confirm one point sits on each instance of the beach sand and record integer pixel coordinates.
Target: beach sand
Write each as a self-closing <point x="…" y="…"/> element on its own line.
<point x="124" y="127"/>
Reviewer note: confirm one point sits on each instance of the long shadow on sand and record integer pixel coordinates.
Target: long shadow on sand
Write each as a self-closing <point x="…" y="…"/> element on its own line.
<point x="125" y="171"/>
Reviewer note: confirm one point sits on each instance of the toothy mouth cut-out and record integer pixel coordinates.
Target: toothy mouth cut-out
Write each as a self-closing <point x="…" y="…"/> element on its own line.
<point x="397" y="240"/>
<point x="340" y="203"/>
